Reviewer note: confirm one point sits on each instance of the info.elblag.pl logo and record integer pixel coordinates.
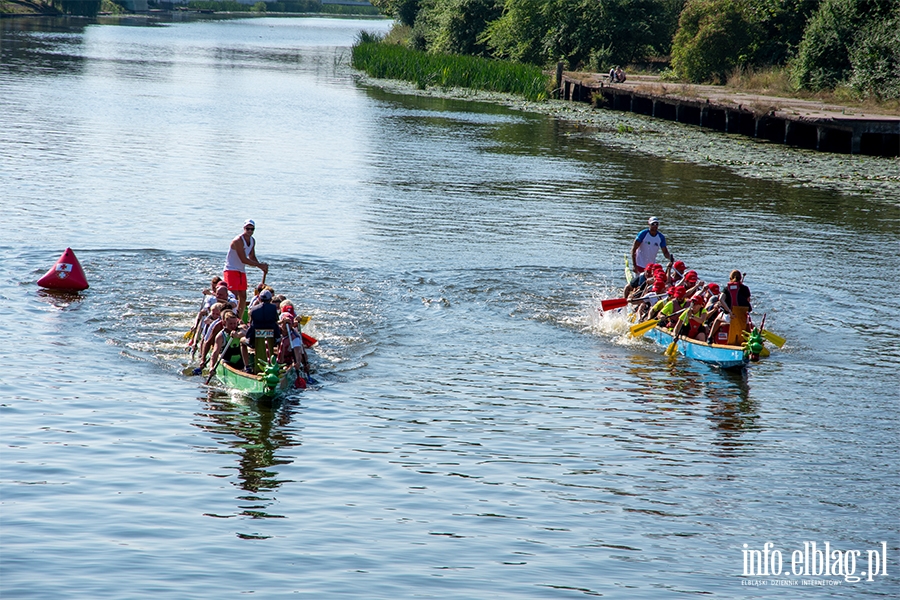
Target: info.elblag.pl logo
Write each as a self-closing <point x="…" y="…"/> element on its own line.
<point x="816" y="560"/>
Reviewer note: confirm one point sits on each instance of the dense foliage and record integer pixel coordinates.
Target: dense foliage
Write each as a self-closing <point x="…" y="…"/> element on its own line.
<point x="852" y="41"/>
<point x="823" y="43"/>
<point x="285" y="6"/>
<point x="579" y="32"/>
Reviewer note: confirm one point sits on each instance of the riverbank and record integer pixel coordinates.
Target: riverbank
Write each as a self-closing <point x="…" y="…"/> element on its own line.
<point x="874" y="177"/>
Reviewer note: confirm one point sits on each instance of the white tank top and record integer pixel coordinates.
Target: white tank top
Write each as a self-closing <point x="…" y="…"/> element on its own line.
<point x="233" y="261"/>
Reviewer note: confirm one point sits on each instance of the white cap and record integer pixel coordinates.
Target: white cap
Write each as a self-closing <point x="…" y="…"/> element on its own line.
<point x="265" y="295"/>
<point x="653" y="220"/>
<point x="250" y="222"/>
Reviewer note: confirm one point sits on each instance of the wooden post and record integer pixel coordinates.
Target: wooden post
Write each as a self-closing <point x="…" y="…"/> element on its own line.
<point x="559" y="73"/>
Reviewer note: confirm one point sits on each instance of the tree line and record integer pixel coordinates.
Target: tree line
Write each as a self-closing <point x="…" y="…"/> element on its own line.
<point x="822" y="44"/>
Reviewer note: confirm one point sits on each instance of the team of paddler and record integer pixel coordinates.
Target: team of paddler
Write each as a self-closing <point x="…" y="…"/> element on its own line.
<point x="226" y="326"/>
<point x="676" y="299"/>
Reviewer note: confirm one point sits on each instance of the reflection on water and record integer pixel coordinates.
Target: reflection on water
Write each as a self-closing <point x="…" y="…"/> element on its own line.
<point x="258" y="433"/>
<point x="682" y="385"/>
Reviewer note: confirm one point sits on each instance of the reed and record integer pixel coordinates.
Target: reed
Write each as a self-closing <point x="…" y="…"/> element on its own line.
<point x="391" y="61"/>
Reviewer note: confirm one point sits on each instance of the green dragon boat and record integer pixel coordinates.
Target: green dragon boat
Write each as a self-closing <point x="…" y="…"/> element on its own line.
<point x="275" y="381"/>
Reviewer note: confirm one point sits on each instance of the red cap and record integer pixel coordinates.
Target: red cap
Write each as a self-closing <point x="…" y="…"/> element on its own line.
<point x="287" y="309"/>
<point x="678" y="266"/>
<point x="698" y="299"/>
<point x="659" y="285"/>
<point x="691" y="275"/>
<point x="651" y="267"/>
<point x="714" y="288"/>
<point x="679" y="291"/>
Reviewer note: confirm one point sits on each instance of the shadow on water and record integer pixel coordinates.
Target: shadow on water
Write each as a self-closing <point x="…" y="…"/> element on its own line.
<point x="60" y="299"/>
<point x="256" y="433"/>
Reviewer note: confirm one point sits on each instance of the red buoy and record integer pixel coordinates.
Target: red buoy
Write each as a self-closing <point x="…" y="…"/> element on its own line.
<point x="66" y="275"/>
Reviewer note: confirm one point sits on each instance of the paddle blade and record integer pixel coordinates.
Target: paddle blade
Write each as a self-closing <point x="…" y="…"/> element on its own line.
<point x="188" y="335"/>
<point x="642" y="328"/>
<point x="304" y="319"/>
<point x="309" y="341"/>
<point x="775" y="339"/>
<point x="613" y="303"/>
<point x="672" y="349"/>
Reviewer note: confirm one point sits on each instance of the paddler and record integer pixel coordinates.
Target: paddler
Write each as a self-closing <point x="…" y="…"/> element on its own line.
<point x="228" y="343"/>
<point x="242" y="252"/>
<point x="735" y="300"/>
<point x="677" y="302"/>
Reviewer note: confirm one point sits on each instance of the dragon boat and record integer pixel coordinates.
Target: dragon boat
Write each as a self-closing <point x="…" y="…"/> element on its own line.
<point x="726" y="356"/>
<point x="272" y="379"/>
<point x="721" y="355"/>
<point x="270" y="384"/>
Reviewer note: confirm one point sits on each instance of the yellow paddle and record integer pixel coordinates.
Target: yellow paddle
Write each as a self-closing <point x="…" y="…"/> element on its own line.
<point x="775" y="339"/>
<point x="645" y="326"/>
<point x="672" y="349"/>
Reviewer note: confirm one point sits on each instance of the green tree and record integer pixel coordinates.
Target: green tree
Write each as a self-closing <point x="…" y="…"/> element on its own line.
<point x="457" y="26"/>
<point x="404" y="11"/>
<point x="823" y="59"/>
<point x="519" y="33"/>
<point x="583" y="32"/>
<point x="875" y="58"/>
<point x="713" y="38"/>
<point x="843" y="34"/>
<point x="778" y="27"/>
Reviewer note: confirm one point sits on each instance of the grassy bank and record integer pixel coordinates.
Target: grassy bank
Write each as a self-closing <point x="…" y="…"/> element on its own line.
<point x="391" y="61"/>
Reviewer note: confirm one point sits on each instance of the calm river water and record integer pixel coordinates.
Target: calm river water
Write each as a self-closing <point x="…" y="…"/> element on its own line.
<point x="479" y="430"/>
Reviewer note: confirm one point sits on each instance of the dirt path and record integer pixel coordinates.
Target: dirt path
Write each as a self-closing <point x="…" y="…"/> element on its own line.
<point x="756" y="102"/>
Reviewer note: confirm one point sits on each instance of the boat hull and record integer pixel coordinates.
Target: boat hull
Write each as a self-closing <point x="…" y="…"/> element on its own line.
<point x="254" y="386"/>
<point x="726" y="357"/>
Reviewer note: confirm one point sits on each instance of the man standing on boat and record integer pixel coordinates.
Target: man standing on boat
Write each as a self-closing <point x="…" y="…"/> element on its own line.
<point x="647" y="245"/>
<point x="242" y="252"/>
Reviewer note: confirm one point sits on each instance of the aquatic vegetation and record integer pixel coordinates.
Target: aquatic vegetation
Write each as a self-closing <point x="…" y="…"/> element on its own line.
<point x="391" y="61"/>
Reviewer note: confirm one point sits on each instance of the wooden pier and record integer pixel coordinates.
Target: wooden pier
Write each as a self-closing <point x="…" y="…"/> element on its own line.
<point x="795" y="122"/>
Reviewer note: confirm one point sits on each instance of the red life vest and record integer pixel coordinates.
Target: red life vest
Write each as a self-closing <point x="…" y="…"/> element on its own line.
<point x="722" y="334"/>
<point x="733" y="288"/>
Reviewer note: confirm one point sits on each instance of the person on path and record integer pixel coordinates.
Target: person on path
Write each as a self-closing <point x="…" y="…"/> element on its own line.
<point x="242" y="252"/>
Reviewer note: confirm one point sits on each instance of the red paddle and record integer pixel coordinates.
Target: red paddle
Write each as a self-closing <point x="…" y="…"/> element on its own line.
<point x="613" y="304"/>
